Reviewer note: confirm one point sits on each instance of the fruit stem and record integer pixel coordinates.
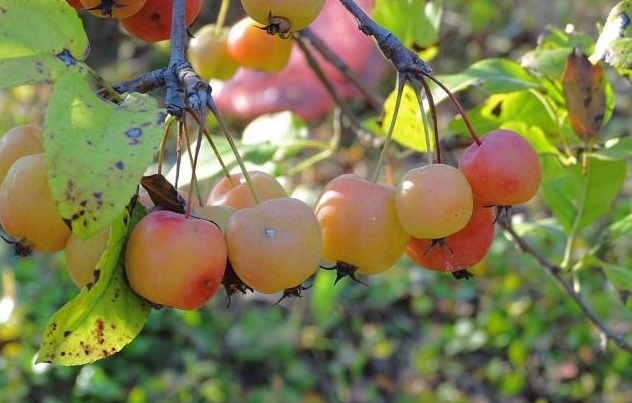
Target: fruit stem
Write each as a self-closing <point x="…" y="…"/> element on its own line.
<point x="424" y="119"/>
<point x="179" y="135"/>
<point x="198" y="146"/>
<point x="433" y="115"/>
<point x="458" y="106"/>
<point x="163" y="142"/>
<point x="221" y="17"/>
<point x="211" y="105"/>
<point x="190" y="153"/>
<point x="218" y="155"/>
<point x="400" y="89"/>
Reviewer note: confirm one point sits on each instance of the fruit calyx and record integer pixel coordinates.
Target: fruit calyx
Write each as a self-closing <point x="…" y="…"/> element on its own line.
<point x="233" y="284"/>
<point x="344" y="270"/>
<point x="106" y="7"/>
<point x="294" y="292"/>
<point x="462" y="274"/>
<point x="278" y="26"/>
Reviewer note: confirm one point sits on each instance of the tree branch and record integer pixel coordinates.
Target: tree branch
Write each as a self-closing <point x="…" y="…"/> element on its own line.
<point x="143" y="84"/>
<point x="556" y="273"/>
<point x="405" y="60"/>
<point x="374" y="98"/>
<point x="364" y="134"/>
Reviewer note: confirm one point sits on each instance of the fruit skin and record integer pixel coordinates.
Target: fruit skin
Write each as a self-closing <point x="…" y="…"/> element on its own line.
<point x="152" y="23"/>
<point x="299" y="12"/>
<point x="27" y="210"/>
<point x="83" y="255"/>
<point x="462" y="250"/>
<point x="76" y="4"/>
<point x="219" y="215"/>
<point x="250" y="46"/>
<point x="433" y="201"/>
<point x="120" y="8"/>
<point x="240" y="197"/>
<point x="275" y="245"/>
<point x="175" y="261"/>
<point x="208" y="54"/>
<point x="18" y="142"/>
<point x="359" y="224"/>
<point x="503" y="171"/>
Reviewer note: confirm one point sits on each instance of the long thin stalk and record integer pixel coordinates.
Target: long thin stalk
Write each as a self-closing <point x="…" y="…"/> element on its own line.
<point x="400" y="90"/>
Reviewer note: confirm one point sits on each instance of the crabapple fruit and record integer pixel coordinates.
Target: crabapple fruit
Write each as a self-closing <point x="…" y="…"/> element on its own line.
<point x="461" y="250"/>
<point x="359" y="224"/>
<point x="83" y="255"/>
<point x="503" y="171"/>
<point x="239" y="196"/>
<point x="250" y="46"/>
<point x="113" y="9"/>
<point x="208" y="54"/>
<point x="174" y="260"/>
<point x="283" y="15"/>
<point x="275" y="245"/>
<point x="27" y="209"/>
<point x="433" y="201"/>
<point x="18" y="142"/>
<point x="152" y="23"/>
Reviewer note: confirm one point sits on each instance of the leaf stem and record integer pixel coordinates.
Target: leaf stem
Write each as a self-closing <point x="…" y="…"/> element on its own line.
<point x="570" y="241"/>
<point x="117" y="97"/>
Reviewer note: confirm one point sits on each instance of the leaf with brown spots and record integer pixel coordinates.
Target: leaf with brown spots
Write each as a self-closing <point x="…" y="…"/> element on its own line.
<point x="102" y="319"/>
<point x="585" y="95"/>
<point x="162" y="193"/>
<point x="97" y="151"/>
<point x="39" y="41"/>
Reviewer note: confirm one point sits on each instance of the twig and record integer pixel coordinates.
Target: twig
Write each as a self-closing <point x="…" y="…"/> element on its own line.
<point x="373" y="97"/>
<point x="405" y="60"/>
<point x="145" y="83"/>
<point x="331" y="90"/>
<point x="556" y="273"/>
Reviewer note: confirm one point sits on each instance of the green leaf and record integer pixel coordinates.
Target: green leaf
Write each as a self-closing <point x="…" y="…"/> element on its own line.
<point x="549" y="63"/>
<point x="615" y="149"/>
<point x="97" y="151"/>
<point x="614" y="45"/>
<point x="103" y="318"/>
<point x="409" y="128"/>
<point x="569" y="193"/>
<point x="620" y="228"/>
<point x="493" y="76"/>
<point x="39" y="39"/>
<point x="409" y="20"/>
<point x="620" y="277"/>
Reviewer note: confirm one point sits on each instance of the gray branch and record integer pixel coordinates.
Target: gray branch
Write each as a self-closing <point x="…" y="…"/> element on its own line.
<point x="556" y="273"/>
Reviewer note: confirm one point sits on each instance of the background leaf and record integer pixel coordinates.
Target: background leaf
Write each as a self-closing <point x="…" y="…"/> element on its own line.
<point x="566" y="190"/>
<point x="97" y="151"/>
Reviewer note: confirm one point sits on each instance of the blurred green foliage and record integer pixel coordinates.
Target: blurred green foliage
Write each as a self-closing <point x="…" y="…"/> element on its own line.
<point x="510" y="335"/>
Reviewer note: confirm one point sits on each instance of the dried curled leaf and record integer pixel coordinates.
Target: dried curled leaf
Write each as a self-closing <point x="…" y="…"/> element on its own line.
<point x="585" y="95"/>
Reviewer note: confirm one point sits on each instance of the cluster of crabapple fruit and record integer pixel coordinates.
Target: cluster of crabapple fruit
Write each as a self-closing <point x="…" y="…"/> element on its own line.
<point x="216" y="52"/>
<point x="255" y="237"/>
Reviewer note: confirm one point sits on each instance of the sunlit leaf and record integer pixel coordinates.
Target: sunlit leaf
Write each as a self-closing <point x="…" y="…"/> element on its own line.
<point x="104" y="317"/>
<point x="409" y="128"/>
<point x="97" y="151"/>
<point x="39" y="40"/>
<point x="574" y="196"/>
<point x="614" y="45"/>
